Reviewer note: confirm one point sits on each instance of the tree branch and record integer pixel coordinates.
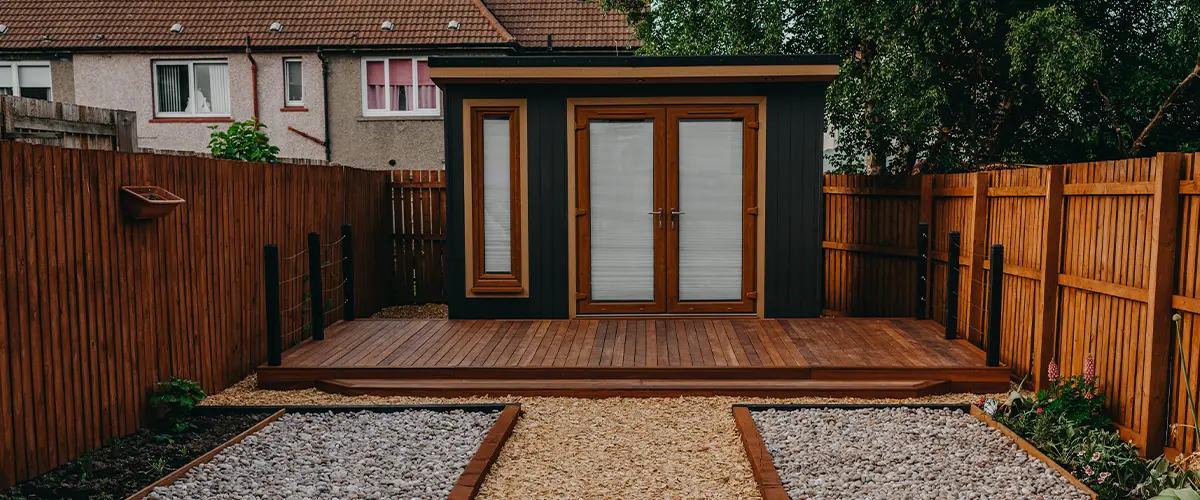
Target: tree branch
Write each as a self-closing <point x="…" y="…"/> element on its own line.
<point x="1178" y="91"/>
<point x="1112" y="115"/>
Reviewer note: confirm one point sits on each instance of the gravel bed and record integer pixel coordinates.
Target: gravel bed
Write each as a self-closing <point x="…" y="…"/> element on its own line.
<point x="890" y="453"/>
<point x="600" y="448"/>
<point x="411" y="454"/>
<point x="423" y="311"/>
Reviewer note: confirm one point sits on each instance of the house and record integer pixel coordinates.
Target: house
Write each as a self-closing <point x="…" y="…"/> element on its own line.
<point x="607" y="186"/>
<point x="339" y="80"/>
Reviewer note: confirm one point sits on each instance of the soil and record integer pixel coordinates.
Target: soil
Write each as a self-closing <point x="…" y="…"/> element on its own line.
<point x="126" y="465"/>
<point x="424" y="311"/>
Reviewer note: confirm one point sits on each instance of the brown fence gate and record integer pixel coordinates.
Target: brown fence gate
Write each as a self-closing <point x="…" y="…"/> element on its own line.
<point x="419" y="210"/>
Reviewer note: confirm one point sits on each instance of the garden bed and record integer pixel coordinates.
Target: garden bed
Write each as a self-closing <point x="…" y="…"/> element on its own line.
<point x="433" y="451"/>
<point x="888" y="451"/>
<point x="126" y="465"/>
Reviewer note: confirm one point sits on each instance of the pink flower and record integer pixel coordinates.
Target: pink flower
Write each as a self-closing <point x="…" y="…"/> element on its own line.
<point x="1095" y="456"/>
<point x="1103" y="476"/>
<point x="1039" y="410"/>
<point x="1052" y="372"/>
<point x="1089" y="370"/>
<point x="1089" y="395"/>
<point x="1088" y="469"/>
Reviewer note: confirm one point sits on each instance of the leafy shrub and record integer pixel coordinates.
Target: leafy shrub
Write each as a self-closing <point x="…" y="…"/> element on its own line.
<point x="178" y="397"/>
<point x="243" y="141"/>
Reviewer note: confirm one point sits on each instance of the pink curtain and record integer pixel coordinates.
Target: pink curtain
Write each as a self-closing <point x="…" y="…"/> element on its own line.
<point x="401" y="73"/>
<point x="375" y="85"/>
<point x="426" y="92"/>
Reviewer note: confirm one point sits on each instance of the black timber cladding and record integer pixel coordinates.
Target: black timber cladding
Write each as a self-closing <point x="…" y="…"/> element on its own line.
<point x="794" y="123"/>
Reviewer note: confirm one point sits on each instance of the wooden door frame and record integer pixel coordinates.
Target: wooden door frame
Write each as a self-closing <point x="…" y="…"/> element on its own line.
<point x="760" y="103"/>
<point x="748" y="115"/>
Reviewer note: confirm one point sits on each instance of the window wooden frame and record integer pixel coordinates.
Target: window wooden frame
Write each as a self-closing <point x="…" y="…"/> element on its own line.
<point x="479" y="282"/>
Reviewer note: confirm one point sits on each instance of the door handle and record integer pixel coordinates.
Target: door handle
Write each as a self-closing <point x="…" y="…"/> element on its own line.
<point x="658" y="214"/>
<point x="675" y="216"/>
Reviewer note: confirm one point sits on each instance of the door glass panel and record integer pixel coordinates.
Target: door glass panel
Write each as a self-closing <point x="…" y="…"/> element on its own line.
<point x="622" y="192"/>
<point x="710" y="197"/>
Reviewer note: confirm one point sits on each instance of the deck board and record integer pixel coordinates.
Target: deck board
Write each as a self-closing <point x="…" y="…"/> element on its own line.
<point x="650" y="343"/>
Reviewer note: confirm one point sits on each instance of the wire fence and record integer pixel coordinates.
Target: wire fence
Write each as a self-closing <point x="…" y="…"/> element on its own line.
<point x="296" y="289"/>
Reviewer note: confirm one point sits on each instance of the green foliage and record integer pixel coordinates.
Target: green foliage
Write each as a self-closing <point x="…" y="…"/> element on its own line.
<point x="243" y="141"/>
<point x="1167" y="479"/>
<point x="1178" y="494"/>
<point x="949" y="85"/>
<point x="178" y="397"/>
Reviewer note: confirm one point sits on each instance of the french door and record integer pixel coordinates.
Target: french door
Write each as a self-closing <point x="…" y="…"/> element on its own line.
<point x="665" y="209"/>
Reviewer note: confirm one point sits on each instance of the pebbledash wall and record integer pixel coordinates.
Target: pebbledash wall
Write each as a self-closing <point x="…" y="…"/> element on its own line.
<point x="125" y="81"/>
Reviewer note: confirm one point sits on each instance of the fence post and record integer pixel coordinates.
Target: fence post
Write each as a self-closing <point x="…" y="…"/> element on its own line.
<point x="995" y="305"/>
<point x="1156" y="344"/>
<point x="978" y="244"/>
<point x="1045" y="332"/>
<point x="348" y="271"/>
<point x="271" y="279"/>
<point x="316" y="296"/>
<point x="952" y="272"/>
<point x="922" y="270"/>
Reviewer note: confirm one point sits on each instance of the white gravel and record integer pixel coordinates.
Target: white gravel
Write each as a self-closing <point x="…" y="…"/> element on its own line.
<point x="411" y="454"/>
<point x="889" y="453"/>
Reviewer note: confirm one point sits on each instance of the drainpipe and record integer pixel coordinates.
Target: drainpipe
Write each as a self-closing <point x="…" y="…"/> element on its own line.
<point x="253" y="78"/>
<point x="325" y="100"/>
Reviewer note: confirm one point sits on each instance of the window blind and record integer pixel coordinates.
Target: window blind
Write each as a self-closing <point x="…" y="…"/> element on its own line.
<point x="710" y="195"/>
<point x="622" y="192"/>
<point x="497" y="202"/>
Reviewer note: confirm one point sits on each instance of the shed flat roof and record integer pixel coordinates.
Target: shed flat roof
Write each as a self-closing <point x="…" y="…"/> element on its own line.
<point x="633" y="69"/>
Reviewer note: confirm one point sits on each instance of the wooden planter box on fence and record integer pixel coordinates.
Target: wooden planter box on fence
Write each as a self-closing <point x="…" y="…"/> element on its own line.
<point x="771" y="487"/>
<point x="147" y="202"/>
<point x="465" y="488"/>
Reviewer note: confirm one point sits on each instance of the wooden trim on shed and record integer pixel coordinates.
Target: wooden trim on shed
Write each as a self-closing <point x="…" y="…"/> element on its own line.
<point x="519" y="287"/>
<point x="646" y="74"/>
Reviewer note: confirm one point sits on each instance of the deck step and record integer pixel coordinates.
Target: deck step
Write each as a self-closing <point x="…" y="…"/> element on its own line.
<point x="603" y="388"/>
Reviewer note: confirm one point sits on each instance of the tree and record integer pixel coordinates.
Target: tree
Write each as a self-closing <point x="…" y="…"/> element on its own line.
<point x="948" y="85"/>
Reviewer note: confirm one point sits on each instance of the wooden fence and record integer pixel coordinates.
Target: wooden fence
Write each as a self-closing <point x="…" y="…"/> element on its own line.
<point x="94" y="308"/>
<point x="38" y="121"/>
<point x="419" y="209"/>
<point x="1098" y="256"/>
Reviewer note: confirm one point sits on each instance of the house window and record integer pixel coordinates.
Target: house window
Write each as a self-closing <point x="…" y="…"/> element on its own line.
<point x="191" y="88"/>
<point x="293" y="83"/>
<point x="496" y="200"/>
<point x="25" y="79"/>
<point x="399" y="87"/>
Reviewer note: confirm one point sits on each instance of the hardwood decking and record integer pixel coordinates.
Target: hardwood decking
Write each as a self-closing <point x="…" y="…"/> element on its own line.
<point x="636" y="357"/>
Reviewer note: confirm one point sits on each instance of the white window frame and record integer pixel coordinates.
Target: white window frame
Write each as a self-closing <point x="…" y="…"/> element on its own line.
<point x="15" y="84"/>
<point x="287" y="101"/>
<point x="387" y="83"/>
<point x="191" y="64"/>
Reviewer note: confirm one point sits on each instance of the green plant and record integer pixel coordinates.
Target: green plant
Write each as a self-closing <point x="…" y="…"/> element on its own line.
<point x="244" y="141"/>
<point x="178" y="397"/>
<point x="159" y="466"/>
<point x="1163" y="476"/>
<point x="1177" y="494"/>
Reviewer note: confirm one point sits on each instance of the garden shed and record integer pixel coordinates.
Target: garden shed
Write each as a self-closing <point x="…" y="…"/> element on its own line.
<point x="630" y="186"/>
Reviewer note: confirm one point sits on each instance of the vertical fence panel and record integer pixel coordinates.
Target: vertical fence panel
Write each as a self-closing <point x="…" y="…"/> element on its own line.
<point x="95" y="308"/>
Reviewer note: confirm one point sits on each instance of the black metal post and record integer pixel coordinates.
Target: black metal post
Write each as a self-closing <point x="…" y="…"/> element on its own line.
<point x="952" y="275"/>
<point x="995" y="305"/>
<point x="922" y="270"/>
<point x="271" y="278"/>
<point x="316" y="296"/>
<point x="348" y="271"/>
